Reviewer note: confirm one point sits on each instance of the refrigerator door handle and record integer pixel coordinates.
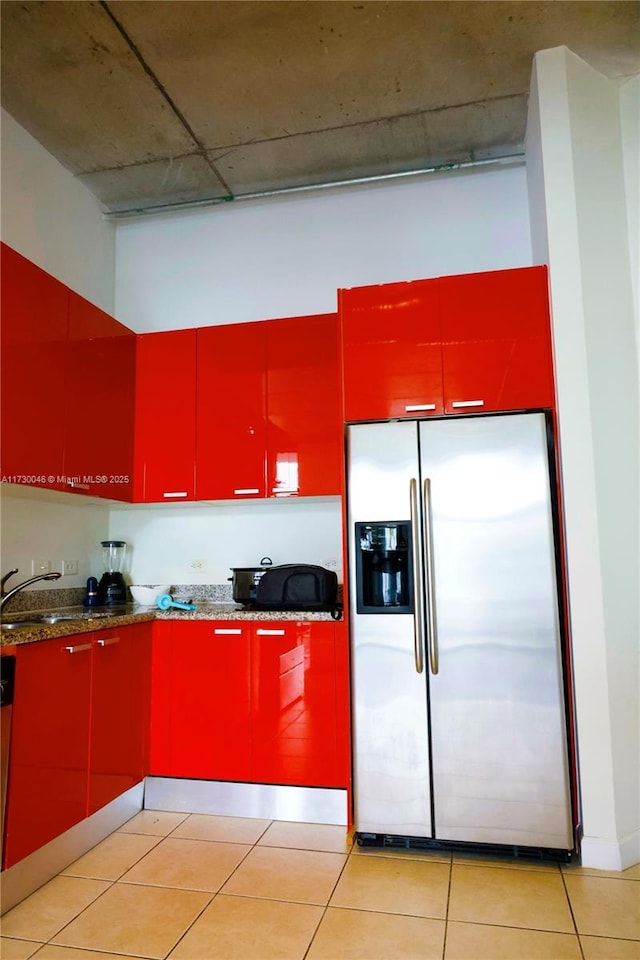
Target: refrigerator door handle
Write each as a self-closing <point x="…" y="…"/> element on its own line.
<point x="430" y="580"/>
<point x="418" y="617"/>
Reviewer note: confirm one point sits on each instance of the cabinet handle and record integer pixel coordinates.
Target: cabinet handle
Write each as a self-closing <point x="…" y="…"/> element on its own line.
<point x="247" y="490"/>
<point x="229" y="631"/>
<point x="468" y="403"/>
<point x="79" y="648"/>
<point x="176" y="493"/>
<point x="270" y="633"/>
<point x="108" y="641"/>
<point x="78" y="486"/>
<point x="414" y="407"/>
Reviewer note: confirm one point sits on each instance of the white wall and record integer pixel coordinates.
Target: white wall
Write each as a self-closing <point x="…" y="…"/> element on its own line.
<point x="46" y="525"/>
<point x="53" y="220"/>
<point x="163" y="541"/>
<point x="630" y="127"/>
<point x="287" y="256"/>
<point x="579" y="216"/>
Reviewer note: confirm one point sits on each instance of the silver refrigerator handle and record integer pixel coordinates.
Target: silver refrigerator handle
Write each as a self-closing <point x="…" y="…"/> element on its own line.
<point x="430" y="579"/>
<point x="416" y="545"/>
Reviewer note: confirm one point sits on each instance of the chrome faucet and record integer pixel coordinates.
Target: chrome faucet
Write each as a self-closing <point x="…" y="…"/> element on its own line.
<point x="5" y="596"/>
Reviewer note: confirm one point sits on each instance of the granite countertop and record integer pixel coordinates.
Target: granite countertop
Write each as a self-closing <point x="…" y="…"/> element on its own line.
<point x="86" y="620"/>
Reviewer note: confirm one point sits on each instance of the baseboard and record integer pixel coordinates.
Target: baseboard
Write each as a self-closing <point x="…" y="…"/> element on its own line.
<point x="26" y="876"/>
<point x="601" y="854"/>
<point x="262" y="800"/>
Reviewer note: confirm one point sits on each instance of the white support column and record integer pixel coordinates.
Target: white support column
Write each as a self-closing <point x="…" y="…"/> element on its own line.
<point x="579" y="217"/>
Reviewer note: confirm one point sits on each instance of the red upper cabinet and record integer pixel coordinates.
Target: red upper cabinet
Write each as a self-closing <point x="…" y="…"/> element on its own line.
<point x="305" y="428"/>
<point x="496" y="341"/>
<point x="165" y="421"/>
<point x="231" y="411"/>
<point x="34" y="363"/>
<point x="100" y="403"/>
<point x="459" y="344"/>
<point x="392" y="355"/>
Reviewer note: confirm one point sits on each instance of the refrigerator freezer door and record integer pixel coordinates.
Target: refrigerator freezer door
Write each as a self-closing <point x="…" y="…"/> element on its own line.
<point x="390" y="748"/>
<point x="500" y="772"/>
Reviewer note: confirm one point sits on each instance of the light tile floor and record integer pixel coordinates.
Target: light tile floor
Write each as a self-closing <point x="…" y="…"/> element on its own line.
<point x="224" y="888"/>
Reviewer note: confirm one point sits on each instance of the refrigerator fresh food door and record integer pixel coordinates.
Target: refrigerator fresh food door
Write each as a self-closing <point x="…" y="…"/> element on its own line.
<point x="390" y="747"/>
<point x="500" y="769"/>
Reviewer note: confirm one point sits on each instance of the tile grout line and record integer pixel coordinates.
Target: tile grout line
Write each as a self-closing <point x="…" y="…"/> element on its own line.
<point x="111" y="883"/>
<point x="326" y="906"/>
<point x="573" y="918"/>
<point x="446" y="912"/>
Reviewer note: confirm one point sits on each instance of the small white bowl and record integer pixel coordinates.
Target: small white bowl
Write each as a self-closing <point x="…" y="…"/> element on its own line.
<point x="147" y="595"/>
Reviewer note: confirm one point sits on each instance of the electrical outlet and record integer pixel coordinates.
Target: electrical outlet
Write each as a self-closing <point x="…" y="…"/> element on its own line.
<point x="39" y="567"/>
<point x="69" y="568"/>
<point x="331" y="564"/>
<point x="197" y="566"/>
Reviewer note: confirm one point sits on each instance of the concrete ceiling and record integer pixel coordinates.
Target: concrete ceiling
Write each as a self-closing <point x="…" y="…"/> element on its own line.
<point x="156" y="102"/>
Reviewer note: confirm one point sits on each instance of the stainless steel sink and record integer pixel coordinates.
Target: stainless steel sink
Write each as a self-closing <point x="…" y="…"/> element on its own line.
<point x="17" y="625"/>
<point x="58" y="618"/>
<point x="50" y="619"/>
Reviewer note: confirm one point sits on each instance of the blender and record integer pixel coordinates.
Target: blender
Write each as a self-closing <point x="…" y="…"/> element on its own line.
<point x="112" y="590"/>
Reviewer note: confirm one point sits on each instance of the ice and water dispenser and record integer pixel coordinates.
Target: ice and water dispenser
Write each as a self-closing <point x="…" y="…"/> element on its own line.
<point x="383" y="567"/>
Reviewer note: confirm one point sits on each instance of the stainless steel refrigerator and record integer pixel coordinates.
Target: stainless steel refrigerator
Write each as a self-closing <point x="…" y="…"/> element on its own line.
<point x="459" y="714"/>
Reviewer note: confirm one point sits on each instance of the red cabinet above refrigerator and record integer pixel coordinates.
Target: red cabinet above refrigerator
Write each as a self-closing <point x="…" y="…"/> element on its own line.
<point x="461" y="344"/>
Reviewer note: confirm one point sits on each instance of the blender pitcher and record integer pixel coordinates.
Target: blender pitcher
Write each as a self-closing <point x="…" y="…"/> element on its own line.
<point x="112" y="590"/>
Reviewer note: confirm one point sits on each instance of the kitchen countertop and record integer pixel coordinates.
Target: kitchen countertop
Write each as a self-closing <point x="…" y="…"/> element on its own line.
<point x="100" y="619"/>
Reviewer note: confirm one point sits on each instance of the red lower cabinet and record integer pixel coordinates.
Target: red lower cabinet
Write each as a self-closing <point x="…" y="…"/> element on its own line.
<point x="49" y="743"/>
<point x="79" y="731"/>
<point x="200" y="723"/>
<point x="295" y="736"/>
<point x="119" y="712"/>
<point x="258" y="702"/>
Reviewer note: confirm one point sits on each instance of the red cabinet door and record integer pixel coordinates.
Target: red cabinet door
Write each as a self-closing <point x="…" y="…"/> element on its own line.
<point x="304" y="407"/>
<point x="496" y="341"/>
<point x="119" y="712"/>
<point x="50" y="743"/>
<point x="231" y="412"/>
<point x="161" y="693"/>
<point x="34" y="355"/>
<point x="294" y="736"/>
<point x="343" y="705"/>
<point x="100" y="403"/>
<point x="165" y="416"/>
<point x="392" y="355"/>
<point x="200" y="718"/>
